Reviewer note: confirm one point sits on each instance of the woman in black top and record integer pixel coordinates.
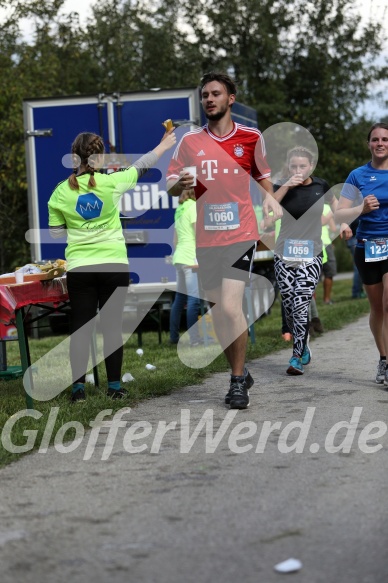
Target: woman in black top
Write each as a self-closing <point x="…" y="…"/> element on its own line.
<point x="298" y="250"/>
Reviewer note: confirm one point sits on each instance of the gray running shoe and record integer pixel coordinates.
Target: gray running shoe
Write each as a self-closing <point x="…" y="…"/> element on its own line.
<point x="381" y="372"/>
<point x="239" y="394"/>
<point x="248" y="382"/>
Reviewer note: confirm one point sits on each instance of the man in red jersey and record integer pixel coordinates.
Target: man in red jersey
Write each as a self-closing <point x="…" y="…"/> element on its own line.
<point x="224" y="155"/>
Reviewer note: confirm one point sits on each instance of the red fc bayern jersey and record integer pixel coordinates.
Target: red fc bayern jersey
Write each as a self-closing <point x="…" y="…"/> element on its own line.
<point x="225" y="213"/>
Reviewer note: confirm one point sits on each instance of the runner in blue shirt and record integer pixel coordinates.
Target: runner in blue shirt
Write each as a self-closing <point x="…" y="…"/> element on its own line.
<point x="365" y="194"/>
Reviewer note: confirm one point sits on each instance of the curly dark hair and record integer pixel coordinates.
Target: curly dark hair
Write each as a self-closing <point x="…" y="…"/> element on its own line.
<point x="222" y="78"/>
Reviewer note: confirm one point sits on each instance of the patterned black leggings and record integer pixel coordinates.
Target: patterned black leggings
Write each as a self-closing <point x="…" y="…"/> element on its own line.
<point x="297" y="285"/>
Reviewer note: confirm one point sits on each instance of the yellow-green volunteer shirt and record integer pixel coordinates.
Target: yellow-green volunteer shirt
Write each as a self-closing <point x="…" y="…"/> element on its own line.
<point x="92" y="219"/>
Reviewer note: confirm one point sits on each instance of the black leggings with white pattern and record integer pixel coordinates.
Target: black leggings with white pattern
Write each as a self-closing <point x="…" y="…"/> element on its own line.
<point x="297" y="285"/>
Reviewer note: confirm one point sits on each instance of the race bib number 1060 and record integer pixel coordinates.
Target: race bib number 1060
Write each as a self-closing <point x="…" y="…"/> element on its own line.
<point x="221" y="217"/>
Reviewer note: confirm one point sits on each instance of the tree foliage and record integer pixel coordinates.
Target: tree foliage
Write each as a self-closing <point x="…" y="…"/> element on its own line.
<point x="302" y="61"/>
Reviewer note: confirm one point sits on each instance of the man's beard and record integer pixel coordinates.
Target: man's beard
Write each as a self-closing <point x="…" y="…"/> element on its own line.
<point x="216" y="116"/>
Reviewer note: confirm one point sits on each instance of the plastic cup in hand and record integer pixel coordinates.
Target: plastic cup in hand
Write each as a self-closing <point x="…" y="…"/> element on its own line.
<point x="193" y="171"/>
<point x="19" y="276"/>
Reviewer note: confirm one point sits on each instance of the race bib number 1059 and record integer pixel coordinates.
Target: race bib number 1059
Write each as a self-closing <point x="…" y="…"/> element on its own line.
<point x="297" y="250"/>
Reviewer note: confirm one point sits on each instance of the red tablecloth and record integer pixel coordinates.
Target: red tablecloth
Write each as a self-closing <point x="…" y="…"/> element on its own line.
<point x="14" y="296"/>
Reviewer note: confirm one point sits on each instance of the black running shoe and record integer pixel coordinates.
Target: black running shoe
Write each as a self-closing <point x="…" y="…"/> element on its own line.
<point x="239" y="394"/>
<point x="78" y="396"/>
<point x="248" y="381"/>
<point x="117" y="393"/>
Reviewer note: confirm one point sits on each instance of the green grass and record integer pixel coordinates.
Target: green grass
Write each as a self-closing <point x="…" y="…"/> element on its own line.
<point x="170" y="374"/>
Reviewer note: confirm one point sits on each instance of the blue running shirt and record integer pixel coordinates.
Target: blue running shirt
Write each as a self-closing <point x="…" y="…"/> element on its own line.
<point x="369" y="180"/>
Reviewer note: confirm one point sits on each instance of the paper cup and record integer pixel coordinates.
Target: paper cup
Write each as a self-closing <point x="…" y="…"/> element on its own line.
<point x="19" y="276"/>
<point x="192" y="170"/>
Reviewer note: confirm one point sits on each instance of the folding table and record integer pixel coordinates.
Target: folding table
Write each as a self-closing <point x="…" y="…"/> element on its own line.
<point x="15" y="303"/>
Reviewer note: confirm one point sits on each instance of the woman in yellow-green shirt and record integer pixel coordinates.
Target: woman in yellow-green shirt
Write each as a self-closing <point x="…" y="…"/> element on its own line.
<point x="85" y="208"/>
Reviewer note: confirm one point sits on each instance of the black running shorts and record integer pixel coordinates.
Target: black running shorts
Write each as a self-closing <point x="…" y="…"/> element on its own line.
<point x="229" y="262"/>
<point x="371" y="272"/>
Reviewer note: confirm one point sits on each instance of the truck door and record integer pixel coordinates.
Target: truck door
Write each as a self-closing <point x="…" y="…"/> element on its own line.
<point x="59" y="120"/>
<point x="147" y="210"/>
